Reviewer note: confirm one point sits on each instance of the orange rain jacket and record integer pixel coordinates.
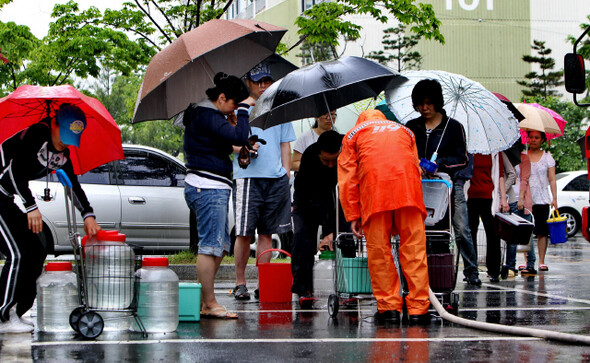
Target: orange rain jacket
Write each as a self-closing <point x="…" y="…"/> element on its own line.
<point x="379" y="162"/>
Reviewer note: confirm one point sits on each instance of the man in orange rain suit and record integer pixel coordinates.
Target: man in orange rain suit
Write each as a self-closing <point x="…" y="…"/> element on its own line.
<point x="381" y="194"/>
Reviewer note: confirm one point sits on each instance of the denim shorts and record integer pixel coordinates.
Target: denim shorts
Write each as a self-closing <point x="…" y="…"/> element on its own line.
<point x="210" y="207"/>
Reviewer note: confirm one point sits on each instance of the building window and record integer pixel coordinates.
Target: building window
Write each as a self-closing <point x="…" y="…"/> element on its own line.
<point x="306" y="4"/>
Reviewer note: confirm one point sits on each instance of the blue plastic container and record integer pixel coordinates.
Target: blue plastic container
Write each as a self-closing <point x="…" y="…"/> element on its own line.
<point x="557" y="232"/>
<point x="189" y="301"/>
<point x="428" y="165"/>
<point x="557" y="228"/>
<point x="353" y="275"/>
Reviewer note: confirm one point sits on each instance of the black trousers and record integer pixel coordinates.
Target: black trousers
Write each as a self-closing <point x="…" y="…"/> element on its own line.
<point x="24" y="260"/>
<point x="303" y="250"/>
<point x="476" y="208"/>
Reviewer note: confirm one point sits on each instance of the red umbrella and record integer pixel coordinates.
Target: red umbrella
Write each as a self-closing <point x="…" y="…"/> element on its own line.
<point x="27" y="105"/>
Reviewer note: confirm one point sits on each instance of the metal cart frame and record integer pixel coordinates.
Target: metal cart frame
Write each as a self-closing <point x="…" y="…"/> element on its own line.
<point x="85" y="319"/>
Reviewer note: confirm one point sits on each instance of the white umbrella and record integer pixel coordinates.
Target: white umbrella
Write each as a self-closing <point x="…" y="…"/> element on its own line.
<point x="489" y="125"/>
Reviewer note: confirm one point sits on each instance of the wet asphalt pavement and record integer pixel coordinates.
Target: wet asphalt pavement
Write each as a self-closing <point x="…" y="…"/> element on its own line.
<point x="558" y="300"/>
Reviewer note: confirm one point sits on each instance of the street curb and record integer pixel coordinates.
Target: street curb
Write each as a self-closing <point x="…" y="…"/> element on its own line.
<point x="225" y="272"/>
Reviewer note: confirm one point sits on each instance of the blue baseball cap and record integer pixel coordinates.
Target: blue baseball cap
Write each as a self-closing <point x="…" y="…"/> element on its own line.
<point x="72" y="122"/>
<point x="262" y="70"/>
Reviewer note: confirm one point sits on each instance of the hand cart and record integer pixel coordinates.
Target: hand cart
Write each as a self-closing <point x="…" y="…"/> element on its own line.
<point x="352" y="281"/>
<point x="104" y="286"/>
<point x="351" y="274"/>
<point x="441" y="250"/>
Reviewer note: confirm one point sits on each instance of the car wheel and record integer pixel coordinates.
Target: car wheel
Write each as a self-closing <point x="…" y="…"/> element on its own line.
<point x="573" y="221"/>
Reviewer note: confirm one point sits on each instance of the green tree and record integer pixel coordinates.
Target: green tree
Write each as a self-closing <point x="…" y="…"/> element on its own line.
<point x="118" y="94"/>
<point x="325" y="22"/>
<point x="160" y="22"/>
<point x="18" y="45"/>
<point x="76" y="45"/>
<point x="397" y="48"/>
<point x="316" y="52"/>
<point x="541" y="83"/>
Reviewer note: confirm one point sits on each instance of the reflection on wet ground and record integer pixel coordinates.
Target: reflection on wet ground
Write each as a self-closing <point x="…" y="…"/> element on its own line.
<point x="558" y="300"/>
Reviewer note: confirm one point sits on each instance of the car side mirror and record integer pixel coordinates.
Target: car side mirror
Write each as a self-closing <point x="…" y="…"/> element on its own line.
<point x="574" y="73"/>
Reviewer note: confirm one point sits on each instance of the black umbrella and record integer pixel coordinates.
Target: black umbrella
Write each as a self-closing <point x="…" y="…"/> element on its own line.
<point x="514" y="151"/>
<point x="279" y="66"/>
<point x="519" y="116"/>
<point x="314" y="90"/>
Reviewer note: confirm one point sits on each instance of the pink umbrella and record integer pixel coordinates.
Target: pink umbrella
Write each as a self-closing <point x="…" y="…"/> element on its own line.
<point x="557" y="117"/>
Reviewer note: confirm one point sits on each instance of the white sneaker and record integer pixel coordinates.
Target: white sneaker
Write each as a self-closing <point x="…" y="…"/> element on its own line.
<point x="15" y="326"/>
<point x="15" y="317"/>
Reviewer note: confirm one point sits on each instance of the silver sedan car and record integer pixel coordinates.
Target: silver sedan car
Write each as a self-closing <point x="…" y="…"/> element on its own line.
<point x="142" y="196"/>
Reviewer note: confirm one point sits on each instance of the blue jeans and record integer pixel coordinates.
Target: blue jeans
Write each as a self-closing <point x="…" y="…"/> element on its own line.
<point x="511" y="248"/>
<point x="462" y="231"/>
<point x="211" y="208"/>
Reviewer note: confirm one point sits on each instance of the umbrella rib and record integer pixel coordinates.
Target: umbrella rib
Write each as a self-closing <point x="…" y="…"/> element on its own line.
<point x="495" y="124"/>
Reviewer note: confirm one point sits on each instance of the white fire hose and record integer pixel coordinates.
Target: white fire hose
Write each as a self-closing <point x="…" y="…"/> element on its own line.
<point x="498" y="328"/>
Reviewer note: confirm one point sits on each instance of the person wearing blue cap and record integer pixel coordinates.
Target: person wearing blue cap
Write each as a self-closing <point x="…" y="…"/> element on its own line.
<point x="29" y="155"/>
<point x="261" y="191"/>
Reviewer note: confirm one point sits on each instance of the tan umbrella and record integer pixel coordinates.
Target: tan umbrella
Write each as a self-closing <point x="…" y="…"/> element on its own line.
<point x="180" y="73"/>
<point x="537" y="119"/>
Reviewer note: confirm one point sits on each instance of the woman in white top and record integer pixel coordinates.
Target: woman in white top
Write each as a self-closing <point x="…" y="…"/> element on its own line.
<point x="322" y="124"/>
<point x="542" y="178"/>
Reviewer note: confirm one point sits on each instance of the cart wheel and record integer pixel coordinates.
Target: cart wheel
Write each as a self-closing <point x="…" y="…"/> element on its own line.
<point x="455" y="307"/>
<point x="333" y="305"/>
<point x="75" y="317"/>
<point x="90" y="324"/>
<point x="455" y="302"/>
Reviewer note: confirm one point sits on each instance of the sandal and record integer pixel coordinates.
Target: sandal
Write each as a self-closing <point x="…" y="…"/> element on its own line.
<point x="543" y="268"/>
<point x="521" y="267"/>
<point x="219" y="312"/>
<point x="241" y="293"/>
<point x="528" y="271"/>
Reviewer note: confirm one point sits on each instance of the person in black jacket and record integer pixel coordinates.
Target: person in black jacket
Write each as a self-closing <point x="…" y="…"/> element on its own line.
<point x="314" y="205"/>
<point x="436" y="132"/>
<point x="211" y="128"/>
<point x="29" y="155"/>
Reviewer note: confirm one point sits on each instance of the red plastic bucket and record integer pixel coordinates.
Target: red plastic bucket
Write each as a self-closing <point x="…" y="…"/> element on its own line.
<point x="274" y="280"/>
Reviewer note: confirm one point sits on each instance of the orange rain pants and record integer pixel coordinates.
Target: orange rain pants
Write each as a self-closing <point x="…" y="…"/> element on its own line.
<point x="409" y="223"/>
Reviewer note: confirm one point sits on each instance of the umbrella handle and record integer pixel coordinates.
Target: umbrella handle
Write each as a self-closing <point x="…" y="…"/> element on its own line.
<point x="434" y="156"/>
<point x="63" y="178"/>
<point x="48" y="102"/>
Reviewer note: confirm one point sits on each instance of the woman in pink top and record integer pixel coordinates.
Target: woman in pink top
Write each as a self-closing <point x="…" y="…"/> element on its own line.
<point x="542" y="180"/>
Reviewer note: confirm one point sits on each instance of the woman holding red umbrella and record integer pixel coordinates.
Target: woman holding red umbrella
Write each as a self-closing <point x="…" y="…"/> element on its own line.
<point x="28" y="155"/>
